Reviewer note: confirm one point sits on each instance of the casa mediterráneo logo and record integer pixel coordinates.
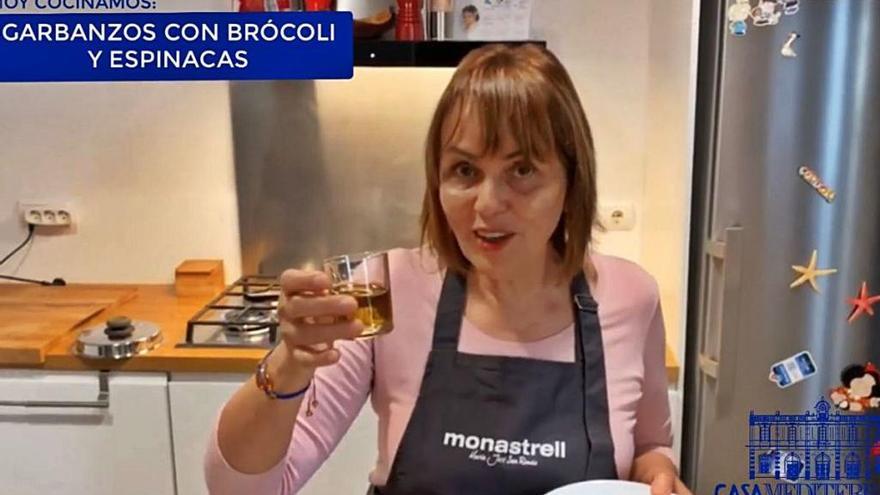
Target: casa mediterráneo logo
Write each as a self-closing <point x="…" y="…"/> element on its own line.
<point x="819" y="452"/>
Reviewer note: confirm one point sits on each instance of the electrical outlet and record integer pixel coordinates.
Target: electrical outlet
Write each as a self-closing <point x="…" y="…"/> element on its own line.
<point x="46" y="214"/>
<point x="618" y="216"/>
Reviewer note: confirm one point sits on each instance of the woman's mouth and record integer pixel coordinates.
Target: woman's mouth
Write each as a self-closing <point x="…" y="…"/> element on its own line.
<point x="492" y="240"/>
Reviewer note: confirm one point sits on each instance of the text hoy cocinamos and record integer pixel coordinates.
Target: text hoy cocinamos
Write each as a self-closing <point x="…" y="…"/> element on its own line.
<point x="79" y="4"/>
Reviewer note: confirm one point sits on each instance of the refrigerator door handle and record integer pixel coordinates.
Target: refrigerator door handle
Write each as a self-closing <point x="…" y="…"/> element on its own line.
<point x="709" y="366"/>
<point x="722" y="370"/>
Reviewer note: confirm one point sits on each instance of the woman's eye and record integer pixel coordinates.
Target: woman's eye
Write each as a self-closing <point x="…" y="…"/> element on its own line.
<point x="465" y="170"/>
<point x="524" y="170"/>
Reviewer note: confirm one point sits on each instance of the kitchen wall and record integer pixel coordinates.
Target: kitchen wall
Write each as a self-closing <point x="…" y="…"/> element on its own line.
<point x="604" y="46"/>
<point x="671" y="98"/>
<point x="147" y="168"/>
<point x="634" y="63"/>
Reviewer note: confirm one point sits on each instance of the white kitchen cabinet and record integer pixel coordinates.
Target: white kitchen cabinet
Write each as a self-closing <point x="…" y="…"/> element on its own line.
<point x="675" y="405"/>
<point x="123" y="448"/>
<point x="196" y="400"/>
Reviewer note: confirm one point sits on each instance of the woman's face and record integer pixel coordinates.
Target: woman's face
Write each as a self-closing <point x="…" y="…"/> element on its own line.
<point x="501" y="207"/>
<point x="469" y="19"/>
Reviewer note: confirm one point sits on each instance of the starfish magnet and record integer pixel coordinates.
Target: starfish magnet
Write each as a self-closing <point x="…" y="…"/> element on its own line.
<point x="863" y="303"/>
<point x="810" y="272"/>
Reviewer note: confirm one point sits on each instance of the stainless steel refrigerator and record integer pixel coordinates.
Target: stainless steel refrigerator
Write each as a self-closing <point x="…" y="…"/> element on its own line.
<point x="803" y="92"/>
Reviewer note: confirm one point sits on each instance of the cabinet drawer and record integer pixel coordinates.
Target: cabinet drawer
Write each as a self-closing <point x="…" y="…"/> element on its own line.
<point x="120" y="446"/>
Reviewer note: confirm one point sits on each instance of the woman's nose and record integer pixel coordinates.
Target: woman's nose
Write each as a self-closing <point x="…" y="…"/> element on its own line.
<point x="491" y="197"/>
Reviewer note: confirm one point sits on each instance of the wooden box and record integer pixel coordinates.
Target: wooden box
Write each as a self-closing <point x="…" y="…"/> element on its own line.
<point x="199" y="278"/>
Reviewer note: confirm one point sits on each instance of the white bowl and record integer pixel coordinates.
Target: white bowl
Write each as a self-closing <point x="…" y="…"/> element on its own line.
<point x="603" y="487"/>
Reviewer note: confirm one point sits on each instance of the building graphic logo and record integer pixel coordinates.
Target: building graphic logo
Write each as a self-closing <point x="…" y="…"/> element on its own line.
<point x="818" y="452"/>
<point x="819" y="445"/>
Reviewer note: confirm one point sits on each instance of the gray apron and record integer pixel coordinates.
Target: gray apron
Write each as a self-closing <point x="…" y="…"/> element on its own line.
<point x="505" y="425"/>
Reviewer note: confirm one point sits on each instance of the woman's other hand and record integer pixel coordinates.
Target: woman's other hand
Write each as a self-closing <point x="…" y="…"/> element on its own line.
<point x="667" y="483"/>
<point x="657" y="470"/>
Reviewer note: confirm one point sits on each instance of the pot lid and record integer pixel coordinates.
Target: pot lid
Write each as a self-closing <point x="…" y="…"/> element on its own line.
<point x="118" y="338"/>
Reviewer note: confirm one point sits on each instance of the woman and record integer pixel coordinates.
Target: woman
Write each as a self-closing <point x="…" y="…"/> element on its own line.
<point x="470" y="18"/>
<point x="501" y="375"/>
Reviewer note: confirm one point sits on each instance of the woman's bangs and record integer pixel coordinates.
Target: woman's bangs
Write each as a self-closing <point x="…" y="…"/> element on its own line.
<point x="500" y="106"/>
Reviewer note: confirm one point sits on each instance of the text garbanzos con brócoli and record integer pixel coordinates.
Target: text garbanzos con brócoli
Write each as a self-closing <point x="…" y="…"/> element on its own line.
<point x="128" y="58"/>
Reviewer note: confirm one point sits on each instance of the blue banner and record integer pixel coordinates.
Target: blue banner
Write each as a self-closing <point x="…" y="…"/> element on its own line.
<point x="176" y="46"/>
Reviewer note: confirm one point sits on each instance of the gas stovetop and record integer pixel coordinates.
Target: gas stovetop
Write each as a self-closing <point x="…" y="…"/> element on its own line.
<point x="243" y="315"/>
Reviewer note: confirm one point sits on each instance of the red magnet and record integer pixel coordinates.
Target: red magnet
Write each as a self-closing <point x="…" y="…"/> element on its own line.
<point x="863" y="303"/>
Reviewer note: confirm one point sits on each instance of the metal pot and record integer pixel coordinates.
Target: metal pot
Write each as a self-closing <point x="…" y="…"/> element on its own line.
<point x="120" y="338"/>
<point x="364" y="8"/>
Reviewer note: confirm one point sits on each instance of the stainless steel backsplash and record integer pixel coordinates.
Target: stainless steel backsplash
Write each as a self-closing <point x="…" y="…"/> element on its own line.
<point x="314" y="182"/>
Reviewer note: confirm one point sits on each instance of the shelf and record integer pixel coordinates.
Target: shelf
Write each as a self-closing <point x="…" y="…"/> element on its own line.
<point x="381" y="53"/>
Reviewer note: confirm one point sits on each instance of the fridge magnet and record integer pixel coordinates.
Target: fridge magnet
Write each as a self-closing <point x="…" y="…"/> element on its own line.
<point x="491" y="20"/>
<point x="859" y="390"/>
<point x="737" y="14"/>
<point x="790" y="7"/>
<point x="809" y="273"/>
<point x="281" y="5"/>
<point x="813" y="180"/>
<point x="862" y="303"/>
<point x="767" y="13"/>
<point x="792" y="370"/>
<point x="788" y="47"/>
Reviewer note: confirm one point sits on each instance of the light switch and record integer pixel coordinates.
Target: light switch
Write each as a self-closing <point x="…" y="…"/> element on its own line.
<point x="617" y="216"/>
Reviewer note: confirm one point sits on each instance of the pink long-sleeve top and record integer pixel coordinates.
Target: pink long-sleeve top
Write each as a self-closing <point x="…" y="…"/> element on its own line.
<point x="633" y="341"/>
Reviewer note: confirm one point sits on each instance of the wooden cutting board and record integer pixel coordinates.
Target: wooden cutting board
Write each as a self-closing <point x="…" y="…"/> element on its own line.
<point x="32" y="318"/>
<point x="63" y="296"/>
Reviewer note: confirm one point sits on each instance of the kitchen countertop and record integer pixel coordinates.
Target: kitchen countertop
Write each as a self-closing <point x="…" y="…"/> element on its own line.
<point x="160" y="304"/>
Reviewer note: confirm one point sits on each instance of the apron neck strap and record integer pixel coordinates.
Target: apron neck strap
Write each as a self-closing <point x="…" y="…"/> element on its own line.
<point x="591" y="356"/>
<point x="586" y="315"/>
<point x="453" y="296"/>
<point x="450" y="311"/>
